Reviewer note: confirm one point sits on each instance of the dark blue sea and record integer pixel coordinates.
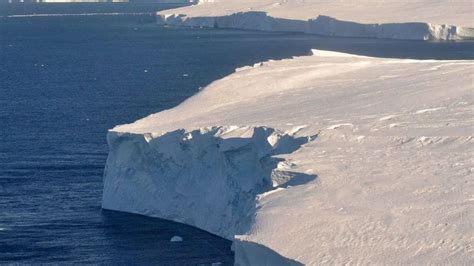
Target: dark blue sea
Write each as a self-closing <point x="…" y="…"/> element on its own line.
<point x="64" y="81"/>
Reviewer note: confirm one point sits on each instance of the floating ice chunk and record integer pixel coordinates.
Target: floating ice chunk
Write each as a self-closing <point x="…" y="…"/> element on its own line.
<point x="176" y="239"/>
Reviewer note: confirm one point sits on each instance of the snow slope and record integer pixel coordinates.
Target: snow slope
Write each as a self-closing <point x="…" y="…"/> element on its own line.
<point x="330" y="158"/>
<point x="393" y="19"/>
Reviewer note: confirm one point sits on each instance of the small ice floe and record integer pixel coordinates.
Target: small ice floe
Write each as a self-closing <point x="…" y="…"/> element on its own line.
<point x="146" y="70"/>
<point x="176" y="239"/>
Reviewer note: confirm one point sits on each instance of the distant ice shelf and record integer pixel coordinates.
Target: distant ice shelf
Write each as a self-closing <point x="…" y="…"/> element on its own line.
<point x="389" y="19"/>
<point x="323" y="25"/>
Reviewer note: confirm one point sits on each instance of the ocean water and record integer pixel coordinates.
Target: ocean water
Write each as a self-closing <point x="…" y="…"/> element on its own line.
<point x="64" y="81"/>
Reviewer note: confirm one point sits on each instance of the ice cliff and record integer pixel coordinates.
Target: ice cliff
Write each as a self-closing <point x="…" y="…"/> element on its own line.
<point x="323" y="25"/>
<point x="416" y="20"/>
<point x="337" y="159"/>
<point x="209" y="177"/>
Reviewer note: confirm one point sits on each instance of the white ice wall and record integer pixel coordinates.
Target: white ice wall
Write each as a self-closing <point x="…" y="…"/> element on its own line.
<point x="413" y="20"/>
<point x="387" y="180"/>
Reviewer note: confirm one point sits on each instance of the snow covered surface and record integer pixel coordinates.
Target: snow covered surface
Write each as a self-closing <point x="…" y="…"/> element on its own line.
<point x="394" y="19"/>
<point x="330" y="158"/>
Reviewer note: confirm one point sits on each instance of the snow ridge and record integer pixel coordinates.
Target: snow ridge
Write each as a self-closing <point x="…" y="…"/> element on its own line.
<point x="209" y="178"/>
<point x="322" y="25"/>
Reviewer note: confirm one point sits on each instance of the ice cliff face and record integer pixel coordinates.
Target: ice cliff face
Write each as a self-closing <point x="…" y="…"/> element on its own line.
<point x="208" y="178"/>
<point x="393" y="159"/>
<point x="322" y="25"/>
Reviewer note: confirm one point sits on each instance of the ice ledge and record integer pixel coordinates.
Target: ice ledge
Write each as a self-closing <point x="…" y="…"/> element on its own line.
<point x="209" y="178"/>
<point x="322" y="25"/>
